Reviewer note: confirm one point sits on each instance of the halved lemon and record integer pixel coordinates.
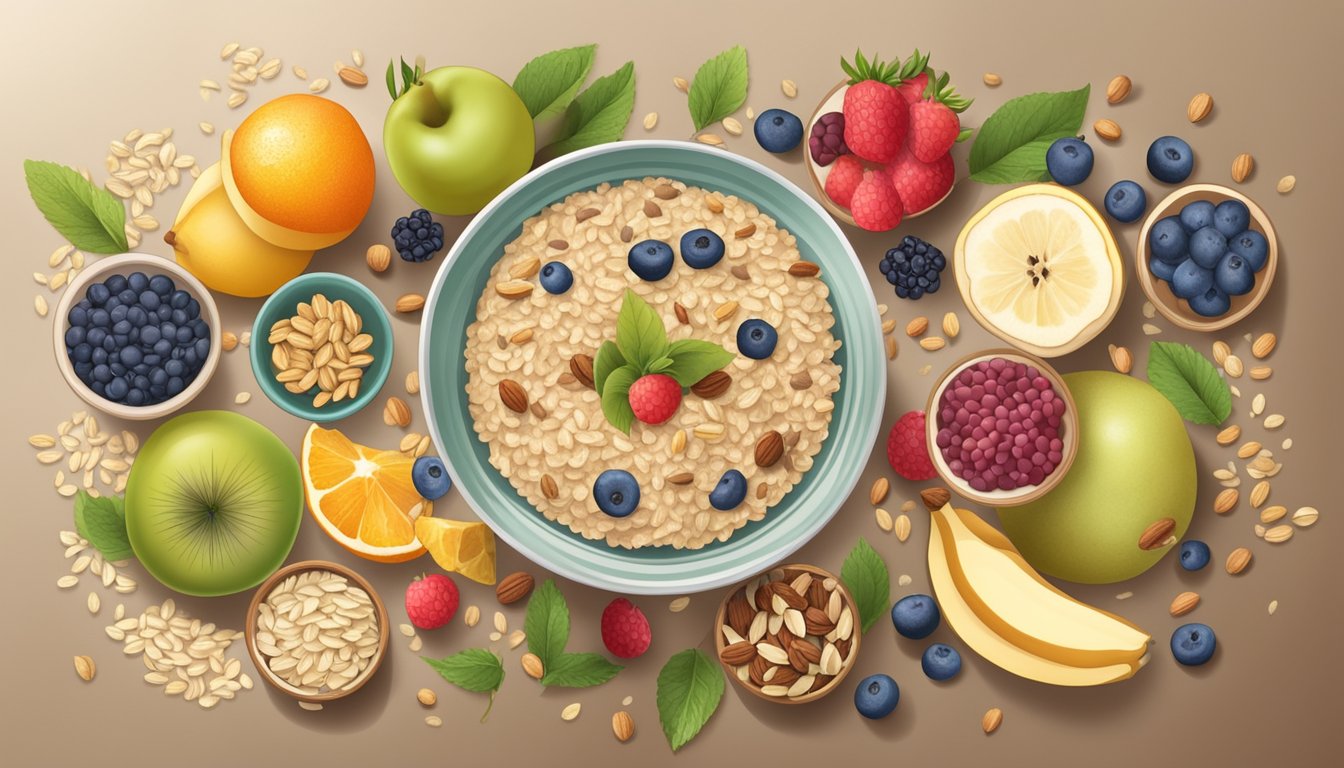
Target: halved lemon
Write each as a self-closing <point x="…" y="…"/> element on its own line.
<point x="1039" y="268"/>
<point x="465" y="548"/>
<point x="362" y="497"/>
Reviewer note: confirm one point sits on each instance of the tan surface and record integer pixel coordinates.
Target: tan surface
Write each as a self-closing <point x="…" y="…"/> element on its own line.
<point x="85" y="73"/>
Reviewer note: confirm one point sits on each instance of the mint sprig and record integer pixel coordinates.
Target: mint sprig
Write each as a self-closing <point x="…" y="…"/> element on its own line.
<point x="101" y="520"/>
<point x="719" y="87"/>
<point x="547" y="629"/>
<point x="1190" y="382"/>
<point x="475" y="669"/>
<point x="865" y="575"/>
<point x="690" y="687"/>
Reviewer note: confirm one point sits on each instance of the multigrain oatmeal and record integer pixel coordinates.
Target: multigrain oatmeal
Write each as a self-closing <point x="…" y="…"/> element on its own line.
<point x="531" y="394"/>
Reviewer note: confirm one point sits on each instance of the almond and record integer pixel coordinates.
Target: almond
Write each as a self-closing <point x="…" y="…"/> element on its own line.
<point x="623" y="726"/>
<point x="916" y="327"/>
<point x="665" y="192"/>
<point x="801" y="380"/>
<point x="513" y="396"/>
<point x="1118" y="89"/>
<point x="737" y="654"/>
<point x="532" y="666"/>
<point x="1184" y="603"/>
<point x="935" y="498"/>
<point x="521" y="270"/>
<point x="1121" y="359"/>
<point x="680" y="478"/>
<point x="804" y="269"/>
<point x="878" y="494"/>
<point x="581" y="366"/>
<point x="586" y="214"/>
<point x="932" y="343"/>
<point x="816" y="621"/>
<point x="750" y="229"/>
<point x="396" y="412"/>
<point x="1200" y="107"/>
<point x="353" y="77"/>
<point x="378" y="257"/>
<point x="1229" y="436"/>
<point x="1157" y="534"/>
<point x="548" y="487"/>
<point x="652" y="210"/>
<point x="802" y="654"/>
<point x="740" y="614"/>
<point x="1107" y="129"/>
<point x="713" y="385"/>
<point x="682" y="316"/>
<point x="85" y="668"/>
<point x="1248" y="449"/>
<point x="951" y="325"/>
<point x="1220" y="352"/>
<point x="1226" y="501"/>
<point x="1273" y="514"/>
<point x="514" y="587"/>
<point x="769" y="449"/>
<point x="513" y="289"/>
<point x="410" y="302"/>
<point x="1264" y="345"/>
<point x="1260" y="372"/>
<point x="786" y="593"/>
<point x="1238" y="560"/>
<point x="992" y="720"/>
<point x="1242" y="165"/>
<point x="426" y="697"/>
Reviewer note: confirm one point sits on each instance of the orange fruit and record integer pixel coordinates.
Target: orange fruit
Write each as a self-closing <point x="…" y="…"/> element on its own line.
<point x="300" y="171"/>
<point x="465" y="548"/>
<point x="362" y="497"/>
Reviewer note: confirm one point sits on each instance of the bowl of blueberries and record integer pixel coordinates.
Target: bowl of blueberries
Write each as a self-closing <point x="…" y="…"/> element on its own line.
<point x="1206" y="257"/>
<point x="136" y="336"/>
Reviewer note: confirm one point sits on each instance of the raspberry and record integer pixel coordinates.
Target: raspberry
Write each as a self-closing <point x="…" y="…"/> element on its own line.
<point x="908" y="448"/>
<point x="843" y="179"/>
<point x="922" y="185"/>
<point x="654" y="398"/>
<point x="625" y="630"/>
<point x="876" y="204"/>
<point x="431" y="601"/>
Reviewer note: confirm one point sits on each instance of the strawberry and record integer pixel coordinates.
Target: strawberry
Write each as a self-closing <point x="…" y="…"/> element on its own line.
<point x="913" y="89"/>
<point x="876" y="205"/>
<point x="843" y="179"/>
<point x="908" y="448"/>
<point x="431" y="601"/>
<point x="654" y="398"/>
<point x="876" y="116"/>
<point x="920" y="184"/>
<point x="625" y="629"/>
<point x="934" y="125"/>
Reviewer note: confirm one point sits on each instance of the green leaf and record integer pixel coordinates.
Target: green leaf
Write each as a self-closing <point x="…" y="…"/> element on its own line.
<point x="90" y="218"/>
<point x="690" y="686"/>
<point x="547" y="623"/>
<point x="964" y="134"/>
<point x="866" y="576"/>
<point x="102" y="520"/>
<point x="549" y="83"/>
<point x="639" y="332"/>
<point x="407" y="76"/>
<point x="608" y="359"/>
<point x="392" y="79"/>
<point x="579" y="670"/>
<point x="599" y="114"/>
<point x="719" y="88"/>
<point x="475" y="669"/>
<point x="1011" y="145"/>
<point x="1190" y="382"/>
<point x="660" y="365"/>
<point x="616" y="397"/>
<point x="693" y="360"/>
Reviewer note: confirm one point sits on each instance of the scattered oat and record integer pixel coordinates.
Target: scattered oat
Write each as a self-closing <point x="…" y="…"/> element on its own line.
<point x="992" y="720"/>
<point x="679" y="604"/>
<point x="992" y="80"/>
<point x="1149" y="311"/>
<point x="471" y="616"/>
<point x="650" y="121"/>
<point x="426" y="697"/>
<point x="627" y="701"/>
<point x="884" y="520"/>
<point x="732" y="126"/>
<point x="311" y="706"/>
<point x="1274" y="421"/>
<point x="712" y="139"/>
<point x="904" y="580"/>
<point x="1151" y="330"/>
<point x="789" y="89"/>
<point x="1124" y="595"/>
<point x="1286" y="184"/>
<point x="242" y="398"/>
<point x="319" y="85"/>
<point x="680" y="84"/>
<point x="40" y="305"/>
<point x="571" y="711"/>
<point x="1273" y="606"/>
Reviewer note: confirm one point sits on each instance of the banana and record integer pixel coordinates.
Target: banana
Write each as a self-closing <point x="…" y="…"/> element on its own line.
<point x="1005" y="611"/>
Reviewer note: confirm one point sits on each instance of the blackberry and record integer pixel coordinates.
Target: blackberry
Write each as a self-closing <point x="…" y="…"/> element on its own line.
<point x="417" y="236"/>
<point x="827" y="141"/>
<point x="914" y="267"/>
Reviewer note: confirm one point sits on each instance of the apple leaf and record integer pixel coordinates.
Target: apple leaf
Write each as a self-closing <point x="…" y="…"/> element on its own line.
<point x="549" y="83"/>
<point x="719" y="88"/>
<point x="690" y="687"/>
<point x="1010" y="147"/>
<point x="865" y="574"/>
<point x="599" y="114"/>
<point x="1190" y="382"/>
<point x="102" y="521"/>
<point x="89" y="217"/>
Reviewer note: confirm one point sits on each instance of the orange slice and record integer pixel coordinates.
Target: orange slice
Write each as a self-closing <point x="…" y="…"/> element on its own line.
<point x="465" y="548"/>
<point x="363" y="497"/>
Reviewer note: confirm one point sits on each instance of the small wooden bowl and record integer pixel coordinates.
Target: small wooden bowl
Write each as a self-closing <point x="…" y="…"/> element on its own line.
<point x="721" y="618"/>
<point x="832" y="102"/>
<point x="259" y="660"/>
<point x="1068" y="432"/>
<point x="1177" y="310"/>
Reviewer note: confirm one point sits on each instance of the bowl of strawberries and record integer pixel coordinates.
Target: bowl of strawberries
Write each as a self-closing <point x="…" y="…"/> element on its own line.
<point x="879" y="143"/>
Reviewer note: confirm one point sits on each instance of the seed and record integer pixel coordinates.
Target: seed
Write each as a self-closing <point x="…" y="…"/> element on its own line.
<point x="1260" y="372"/>
<point x="1226" y="501"/>
<point x="1273" y="606"/>
<point x="1220" y="352"/>
<point x="1264" y="345"/>
<point x="1286" y="184"/>
<point x="878" y="493"/>
<point x="992" y="80"/>
<point x="532" y="666"/>
<point x="650" y="120"/>
<point x="679" y="604"/>
<point x="932" y="343"/>
<point x="1259" y="493"/>
<point x="1258" y="404"/>
<point x="1233" y="366"/>
<point x="313" y="706"/>
<point x="353" y="77"/>
<point x="571" y="711"/>
<point x="229" y="341"/>
<point x="410" y="302"/>
<point x="623" y="726"/>
<point x="712" y="139"/>
<point x="680" y="84"/>
<point x="1118" y="89"/>
<point x="732" y="126"/>
<point x="1305" y="517"/>
<point x="1238" y="560"/>
<point x="1107" y="129"/>
<point x="1273" y="514"/>
<point x="85" y="668"/>
<point x="1199" y="108"/>
<point x="1279" y="534"/>
<point x="725" y="310"/>
<point x="319" y="85"/>
<point x="242" y="398"/>
<point x="992" y="720"/>
<point x="236" y="99"/>
<point x="1248" y="449"/>
<point x="426" y="697"/>
<point x="902" y="527"/>
<point x="378" y="257"/>
<point x="1242" y="166"/>
<point x="916" y="327"/>
<point x="472" y="616"/>
<point x="1274" y="421"/>
<point x="1151" y="330"/>
<point x="40" y="306"/>
<point x="1184" y="603"/>
<point x="951" y="325"/>
<point x="1121" y="359"/>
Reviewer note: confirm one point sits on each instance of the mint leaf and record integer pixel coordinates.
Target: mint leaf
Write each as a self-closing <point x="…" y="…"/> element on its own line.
<point x="616" y="398"/>
<point x="1190" y="382"/>
<point x="475" y="669"/>
<point x="549" y="83"/>
<point x="608" y="359"/>
<point x="866" y="576"/>
<point x="599" y="114"/>
<point x="547" y="623"/>
<point x="639" y="332"/>
<point x="690" y="686"/>
<point x="90" y="218"/>
<point x="579" y="670"/>
<point x="719" y="88"/>
<point x="102" y="520"/>
<point x="1010" y="146"/>
<point x="693" y="360"/>
<point x="660" y="365"/>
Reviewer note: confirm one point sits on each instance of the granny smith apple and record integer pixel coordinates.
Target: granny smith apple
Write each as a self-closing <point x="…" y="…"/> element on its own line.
<point x="1135" y="466"/>
<point x="457" y="138"/>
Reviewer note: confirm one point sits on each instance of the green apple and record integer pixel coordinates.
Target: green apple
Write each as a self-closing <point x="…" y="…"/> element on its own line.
<point x="457" y="138"/>
<point x="213" y="503"/>
<point x="1135" y="466"/>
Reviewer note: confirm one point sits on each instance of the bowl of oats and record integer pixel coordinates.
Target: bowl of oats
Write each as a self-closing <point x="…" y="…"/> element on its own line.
<point x="653" y="366"/>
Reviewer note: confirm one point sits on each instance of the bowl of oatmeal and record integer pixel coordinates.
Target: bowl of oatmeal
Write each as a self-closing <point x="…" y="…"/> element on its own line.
<point x="653" y="367"/>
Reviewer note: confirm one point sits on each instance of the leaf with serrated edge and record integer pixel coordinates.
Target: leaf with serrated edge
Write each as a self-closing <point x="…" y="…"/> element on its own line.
<point x="547" y="623"/>
<point x="599" y="115"/>
<point x="90" y="218"/>
<point x="693" y="360"/>
<point x="690" y="687"/>
<point x="579" y="670"/>
<point x="548" y="84"/>
<point x="640" y="334"/>
<point x="865" y="575"/>
<point x="475" y="669"/>
<point x="102" y="521"/>
<point x="608" y="359"/>
<point x="719" y="88"/>
<point x="1010" y="146"/>
<point x="616" y="397"/>
<point x="1190" y="382"/>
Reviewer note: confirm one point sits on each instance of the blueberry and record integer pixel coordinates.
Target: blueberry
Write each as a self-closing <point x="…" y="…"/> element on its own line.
<point x="99" y="294"/>
<point x="430" y="477"/>
<point x="1197" y="215"/>
<point x="651" y="259"/>
<point x="127" y="297"/>
<point x="174" y="368"/>
<point x="1126" y="201"/>
<point x="81" y="353"/>
<point x="100" y="318"/>
<point x="1212" y="303"/>
<point x="1193" y="644"/>
<point x="78" y="317"/>
<point x="756" y="339"/>
<point x="941" y="662"/>
<point x="1233" y="275"/>
<point x="116" y="389"/>
<point x="115" y="283"/>
<point x="179" y="300"/>
<point x="1168" y="240"/>
<point x="175" y="385"/>
<point x="1069" y="161"/>
<point x="1170" y="160"/>
<point x="137" y="316"/>
<point x="701" y="248"/>
<point x="161" y="285"/>
<point x="102" y="373"/>
<point x="778" y="131"/>
<point x="730" y="492"/>
<point x="149" y="300"/>
<point x="130" y="356"/>
<point x="1207" y="247"/>
<point x="1251" y="246"/>
<point x="1190" y="279"/>
<point x="136" y="397"/>
<point x="74" y="336"/>
<point x="915" y="616"/>
<point x="616" y="492"/>
<point x="1194" y="555"/>
<point x="137" y="281"/>
<point x="1231" y="217"/>
<point x="877" y="696"/>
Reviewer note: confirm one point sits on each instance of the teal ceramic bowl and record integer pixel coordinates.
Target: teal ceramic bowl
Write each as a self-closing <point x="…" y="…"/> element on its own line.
<point x="655" y="570"/>
<point x="282" y="304"/>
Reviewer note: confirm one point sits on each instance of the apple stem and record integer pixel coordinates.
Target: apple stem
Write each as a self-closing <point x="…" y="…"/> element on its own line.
<point x="427" y="105"/>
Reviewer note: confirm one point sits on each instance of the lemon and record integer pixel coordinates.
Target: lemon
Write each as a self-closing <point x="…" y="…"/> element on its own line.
<point x="460" y="547"/>
<point x="1039" y="268"/>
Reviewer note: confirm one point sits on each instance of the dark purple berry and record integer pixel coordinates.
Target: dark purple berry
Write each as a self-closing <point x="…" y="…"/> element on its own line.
<point x="827" y="141"/>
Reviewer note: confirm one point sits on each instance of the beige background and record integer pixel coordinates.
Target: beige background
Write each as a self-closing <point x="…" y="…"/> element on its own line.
<point x="82" y="74"/>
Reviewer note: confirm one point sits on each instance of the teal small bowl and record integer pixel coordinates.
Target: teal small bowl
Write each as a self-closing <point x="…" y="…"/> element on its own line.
<point x="282" y="304"/>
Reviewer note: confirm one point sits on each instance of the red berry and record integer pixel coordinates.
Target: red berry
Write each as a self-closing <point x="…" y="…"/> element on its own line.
<point x="843" y="179"/>
<point x="655" y="397"/>
<point x="908" y="448"/>
<point x="913" y="89"/>
<point x="920" y="184"/>
<point x="933" y="130"/>
<point x="876" y="120"/>
<point x="625" y="630"/>
<point x="876" y="205"/>
<point x="431" y="601"/>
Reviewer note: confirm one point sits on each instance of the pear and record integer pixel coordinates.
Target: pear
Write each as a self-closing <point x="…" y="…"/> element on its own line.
<point x="213" y="243"/>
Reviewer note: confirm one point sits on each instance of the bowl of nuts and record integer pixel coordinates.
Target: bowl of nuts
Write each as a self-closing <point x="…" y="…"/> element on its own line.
<point x="789" y="635"/>
<point x="328" y="347"/>
<point x="316" y="630"/>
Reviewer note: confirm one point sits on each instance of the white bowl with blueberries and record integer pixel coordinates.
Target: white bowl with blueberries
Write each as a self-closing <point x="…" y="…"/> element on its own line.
<point x="136" y="336"/>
